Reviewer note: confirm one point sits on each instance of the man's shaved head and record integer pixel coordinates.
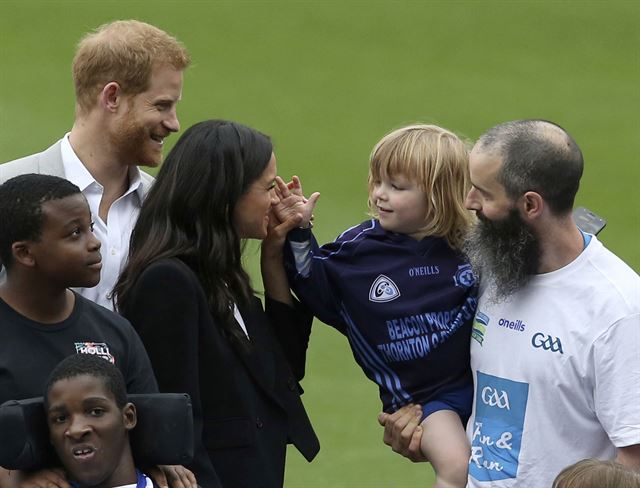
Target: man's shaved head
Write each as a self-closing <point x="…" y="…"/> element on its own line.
<point x="539" y="156"/>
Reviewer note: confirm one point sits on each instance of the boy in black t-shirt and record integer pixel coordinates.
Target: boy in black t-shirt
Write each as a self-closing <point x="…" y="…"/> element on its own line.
<point x="47" y="246"/>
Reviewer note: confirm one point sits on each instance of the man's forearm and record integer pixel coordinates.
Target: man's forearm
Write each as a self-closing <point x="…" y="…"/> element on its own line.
<point x="629" y="456"/>
<point x="6" y="479"/>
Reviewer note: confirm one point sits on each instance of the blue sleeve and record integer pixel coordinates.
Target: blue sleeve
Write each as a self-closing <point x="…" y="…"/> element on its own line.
<point x="314" y="274"/>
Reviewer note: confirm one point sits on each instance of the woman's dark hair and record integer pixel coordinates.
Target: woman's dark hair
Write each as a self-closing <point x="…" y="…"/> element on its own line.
<point x="189" y="210"/>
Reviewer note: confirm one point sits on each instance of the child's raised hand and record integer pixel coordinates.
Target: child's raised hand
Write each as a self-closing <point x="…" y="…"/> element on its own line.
<point x="292" y="201"/>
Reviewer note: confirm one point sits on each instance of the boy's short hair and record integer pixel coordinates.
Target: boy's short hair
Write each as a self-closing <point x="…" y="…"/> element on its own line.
<point x="124" y="51"/>
<point x="90" y="365"/>
<point x="438" y="161"/>
<point x="21" y="200"/>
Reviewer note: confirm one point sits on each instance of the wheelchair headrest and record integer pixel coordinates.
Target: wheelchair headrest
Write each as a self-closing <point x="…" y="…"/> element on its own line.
<point x="163" y="434"/>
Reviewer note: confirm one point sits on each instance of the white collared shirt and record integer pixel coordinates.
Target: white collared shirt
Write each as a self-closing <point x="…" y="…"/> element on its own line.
<point x="113" y="235"/>
<point x="240" y="320"/>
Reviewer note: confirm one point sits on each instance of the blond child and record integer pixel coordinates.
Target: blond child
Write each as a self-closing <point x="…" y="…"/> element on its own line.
<point x="594" y="473"/>
<point x="398" y="286"/>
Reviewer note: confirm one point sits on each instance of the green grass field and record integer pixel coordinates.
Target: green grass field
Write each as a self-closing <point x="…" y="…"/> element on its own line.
<point x="327" y="79"/>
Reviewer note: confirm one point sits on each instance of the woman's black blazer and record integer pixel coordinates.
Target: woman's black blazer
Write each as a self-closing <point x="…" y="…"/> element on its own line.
<point x="246" y="401"/>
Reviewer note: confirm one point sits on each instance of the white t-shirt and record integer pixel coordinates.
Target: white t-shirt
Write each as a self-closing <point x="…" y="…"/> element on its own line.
<point x="114" y="235"/>
<point x="557" y="372"/>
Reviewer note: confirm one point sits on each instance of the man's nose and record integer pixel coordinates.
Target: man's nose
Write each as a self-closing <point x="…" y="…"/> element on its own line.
<point x="171" y="122"/>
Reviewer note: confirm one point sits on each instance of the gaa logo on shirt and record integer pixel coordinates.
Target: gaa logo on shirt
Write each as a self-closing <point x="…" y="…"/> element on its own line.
<point x="495" y="398"/>
<point x="546" y="342"/>
<point x="100" y="349"/>
<point x="383" y="290"/>
<point x="500" y="407"/>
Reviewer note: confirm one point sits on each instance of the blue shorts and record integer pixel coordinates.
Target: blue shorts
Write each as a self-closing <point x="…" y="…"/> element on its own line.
<point x="459" y="401"/>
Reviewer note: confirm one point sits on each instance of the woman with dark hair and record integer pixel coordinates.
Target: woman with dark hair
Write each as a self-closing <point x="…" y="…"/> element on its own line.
<point x="187" y="295"/>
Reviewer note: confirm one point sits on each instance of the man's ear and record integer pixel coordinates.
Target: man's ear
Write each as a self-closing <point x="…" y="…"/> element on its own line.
<point x="532" y="205"/>
<point x="111" y="96"/>
<point x="129" y="416"/>
<point x="21" y="251"/>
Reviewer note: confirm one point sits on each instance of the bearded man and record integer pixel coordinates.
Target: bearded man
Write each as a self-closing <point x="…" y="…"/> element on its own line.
<point x="128" y="80"/>
<point x="555" y="342"/>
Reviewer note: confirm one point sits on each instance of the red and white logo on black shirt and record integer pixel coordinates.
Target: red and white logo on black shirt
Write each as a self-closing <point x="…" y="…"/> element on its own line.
<point x="97" y="348"/>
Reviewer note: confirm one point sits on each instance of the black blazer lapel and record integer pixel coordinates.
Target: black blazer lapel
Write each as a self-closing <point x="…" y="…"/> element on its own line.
<point x="260" y="359"/>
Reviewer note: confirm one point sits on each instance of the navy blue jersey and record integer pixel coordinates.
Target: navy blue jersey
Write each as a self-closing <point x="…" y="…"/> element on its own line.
<point x="406" y="306"/>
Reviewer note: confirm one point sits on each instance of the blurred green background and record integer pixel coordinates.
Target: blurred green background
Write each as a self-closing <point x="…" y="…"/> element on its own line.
<point x="326" y="80"/>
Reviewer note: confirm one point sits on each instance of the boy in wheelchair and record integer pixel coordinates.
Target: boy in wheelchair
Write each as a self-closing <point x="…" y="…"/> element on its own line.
<point x="90" y="423"/>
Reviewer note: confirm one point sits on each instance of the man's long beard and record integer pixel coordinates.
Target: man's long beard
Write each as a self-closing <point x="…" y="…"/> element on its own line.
<point x="505" y="252"/>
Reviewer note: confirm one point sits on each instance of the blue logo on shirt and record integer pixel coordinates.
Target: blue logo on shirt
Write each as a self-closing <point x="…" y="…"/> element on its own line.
<point x="464" y="277"/>
<point x="497" y="427"/>
<point x="383" y="290"/>
<point x="546" y="342"/>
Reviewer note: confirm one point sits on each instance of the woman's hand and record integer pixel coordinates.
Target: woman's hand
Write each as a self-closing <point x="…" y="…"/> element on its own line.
<point x="292" y="202"/>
